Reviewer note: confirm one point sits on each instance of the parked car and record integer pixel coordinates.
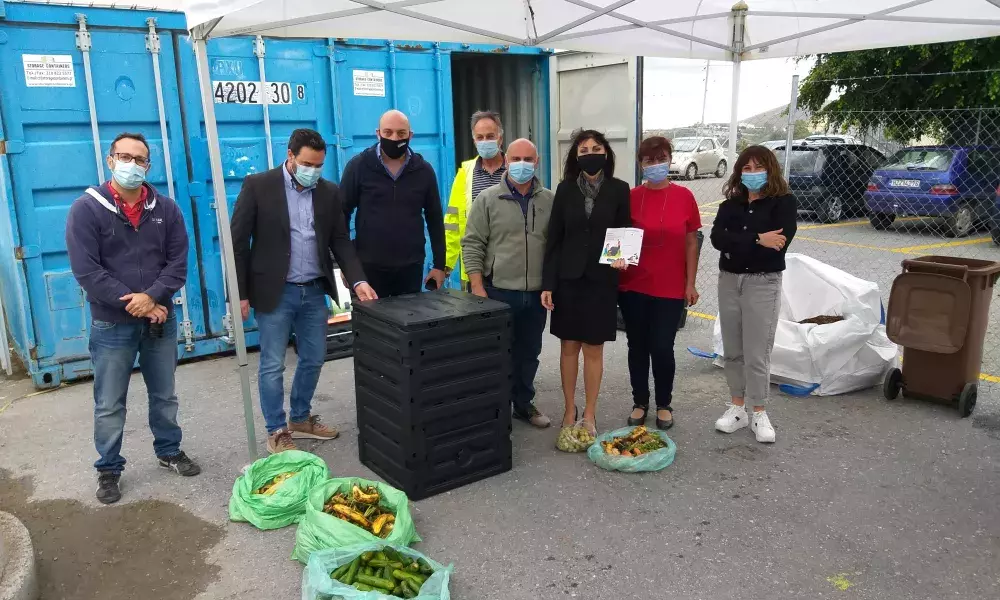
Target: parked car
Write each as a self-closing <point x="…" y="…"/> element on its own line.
<point x="776" y="144"/>
<point x="832" y="139"/>
<point x="955" y="183"/>
<point x="830" y="179"/>
<point x="995" y="221"/>
<point x="694" y="156"/>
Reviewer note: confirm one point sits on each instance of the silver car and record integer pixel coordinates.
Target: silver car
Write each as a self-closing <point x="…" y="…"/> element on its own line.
<point x="694" y="156"/>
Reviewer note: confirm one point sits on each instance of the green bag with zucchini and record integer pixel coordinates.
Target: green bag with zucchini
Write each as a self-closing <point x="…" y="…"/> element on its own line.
<point x="286" y="503"/>
<point x="317" y="583"/>
<point x="318" y="530"/>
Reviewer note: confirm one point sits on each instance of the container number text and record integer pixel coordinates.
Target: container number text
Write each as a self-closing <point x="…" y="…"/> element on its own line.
<point x="250" y="92"/>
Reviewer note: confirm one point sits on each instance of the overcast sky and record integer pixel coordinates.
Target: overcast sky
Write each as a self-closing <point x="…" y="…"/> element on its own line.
<point x="674" y="89"/>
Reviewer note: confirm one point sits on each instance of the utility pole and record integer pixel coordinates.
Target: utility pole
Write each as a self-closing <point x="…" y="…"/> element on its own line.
<point x="704" y="96"/>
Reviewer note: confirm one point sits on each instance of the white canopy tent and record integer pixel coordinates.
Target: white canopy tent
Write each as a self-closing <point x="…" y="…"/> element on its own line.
<point x="699" y="29"/>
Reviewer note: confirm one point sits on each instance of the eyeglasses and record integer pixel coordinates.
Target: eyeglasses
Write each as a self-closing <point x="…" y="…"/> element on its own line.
<point x="142" y="161"/>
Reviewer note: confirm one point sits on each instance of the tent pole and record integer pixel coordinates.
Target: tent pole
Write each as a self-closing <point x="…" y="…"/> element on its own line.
<point x="225" y="235"/>
<point x="793" y="109"/>
<point x="738" y="22"/>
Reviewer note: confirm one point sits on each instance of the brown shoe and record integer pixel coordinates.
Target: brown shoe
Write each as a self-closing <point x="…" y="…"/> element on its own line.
<point x="312" y="429"/>
<point x="279" y="441"/>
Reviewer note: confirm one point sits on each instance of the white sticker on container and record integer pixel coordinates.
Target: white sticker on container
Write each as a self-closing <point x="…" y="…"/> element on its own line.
<point x="255" y="92"/>
<point x="48" y="70"/>
<point x="369" y="83"/>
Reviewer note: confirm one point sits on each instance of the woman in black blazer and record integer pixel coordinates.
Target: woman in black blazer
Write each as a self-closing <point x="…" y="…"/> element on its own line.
<point x="582" y="293"/>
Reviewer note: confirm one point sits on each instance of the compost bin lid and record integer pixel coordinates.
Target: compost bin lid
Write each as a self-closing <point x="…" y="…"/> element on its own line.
<point x="929" y="312"/>
<point x="428" y="308"/>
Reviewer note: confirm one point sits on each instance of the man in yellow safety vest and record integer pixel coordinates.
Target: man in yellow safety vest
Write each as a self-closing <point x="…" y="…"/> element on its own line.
<point x="474" y="176"/>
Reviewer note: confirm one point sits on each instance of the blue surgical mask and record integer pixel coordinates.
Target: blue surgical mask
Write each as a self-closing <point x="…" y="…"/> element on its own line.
<point x="306" y="176"/>
<point x="754" y="181"/>
<point x="488" y="148"/>
<point x="521" y="172"/>
<point x="129" y="175"/>
<point x="656" y="173"/>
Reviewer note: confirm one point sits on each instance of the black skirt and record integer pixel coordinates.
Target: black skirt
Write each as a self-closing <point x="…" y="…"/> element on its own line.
<point x="585" y="311"/>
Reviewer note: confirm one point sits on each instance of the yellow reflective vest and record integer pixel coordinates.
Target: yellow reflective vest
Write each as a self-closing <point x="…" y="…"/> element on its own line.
<point x="455" y="216"/>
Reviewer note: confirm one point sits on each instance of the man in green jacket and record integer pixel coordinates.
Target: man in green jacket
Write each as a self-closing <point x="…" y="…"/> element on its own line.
<point x="474" y="176"/>
<point x="503" y="250"/>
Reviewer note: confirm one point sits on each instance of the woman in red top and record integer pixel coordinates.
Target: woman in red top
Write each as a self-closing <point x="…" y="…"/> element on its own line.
<point x="653" y="294"/>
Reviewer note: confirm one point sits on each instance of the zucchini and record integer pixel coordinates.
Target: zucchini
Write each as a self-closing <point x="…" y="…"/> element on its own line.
<point x="413" y="586"/>
<point x="363" y="588"/>
<point x="352" y="572"/>
<point x="377" y="582"/>
<point x="378" y="563"/>
<point x="340" y="571"/>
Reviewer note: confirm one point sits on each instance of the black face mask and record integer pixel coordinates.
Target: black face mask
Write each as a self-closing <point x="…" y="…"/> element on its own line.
<point x="393" y="148"/>
<point x="591" y="164"/>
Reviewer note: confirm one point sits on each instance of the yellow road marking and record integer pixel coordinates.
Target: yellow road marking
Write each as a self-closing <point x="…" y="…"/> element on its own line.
<point x="969" y="242"/>
<point x="707" y="317"/>
<point x="715" y="203"/>
<point x="829" y="225"/>
<point x="847" y="244"/>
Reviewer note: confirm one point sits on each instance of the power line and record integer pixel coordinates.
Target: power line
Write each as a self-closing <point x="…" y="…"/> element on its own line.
<point x="902" y="75"/>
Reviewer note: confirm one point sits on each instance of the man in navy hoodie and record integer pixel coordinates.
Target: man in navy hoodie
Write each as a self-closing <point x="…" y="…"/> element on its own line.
<point x="394" y="191"/>
<point x="128" y="249"/>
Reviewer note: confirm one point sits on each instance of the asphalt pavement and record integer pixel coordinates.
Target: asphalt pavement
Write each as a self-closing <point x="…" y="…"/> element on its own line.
<point x="858" y="499"/>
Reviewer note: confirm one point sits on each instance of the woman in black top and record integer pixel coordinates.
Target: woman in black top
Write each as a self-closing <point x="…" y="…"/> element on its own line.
<point x="582" y="293"/>
<point x="752" y="232"/>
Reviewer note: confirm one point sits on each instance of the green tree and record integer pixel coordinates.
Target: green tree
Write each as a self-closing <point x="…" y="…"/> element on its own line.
<point x="909" y="92"/>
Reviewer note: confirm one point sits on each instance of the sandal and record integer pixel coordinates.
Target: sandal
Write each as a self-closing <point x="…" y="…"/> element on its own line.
<point x="632" y="421"/>
<point x="576" y="417"/>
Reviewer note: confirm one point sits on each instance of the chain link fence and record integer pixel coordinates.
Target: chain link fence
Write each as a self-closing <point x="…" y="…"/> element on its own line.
<point x="874" y="188"/>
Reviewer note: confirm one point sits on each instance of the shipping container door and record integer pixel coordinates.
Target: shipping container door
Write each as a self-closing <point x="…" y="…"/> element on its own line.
<point x="595" y="91"/>
<point x="374" y="76"/>
<point x="299" y="91"/>
<point x="51" y="159"/>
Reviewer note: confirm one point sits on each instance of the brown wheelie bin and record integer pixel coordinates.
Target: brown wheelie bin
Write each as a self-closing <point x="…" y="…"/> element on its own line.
<point x="938" y="312"/>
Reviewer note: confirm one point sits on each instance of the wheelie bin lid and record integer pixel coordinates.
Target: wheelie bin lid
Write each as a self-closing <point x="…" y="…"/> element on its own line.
<point x="929" y="312"/>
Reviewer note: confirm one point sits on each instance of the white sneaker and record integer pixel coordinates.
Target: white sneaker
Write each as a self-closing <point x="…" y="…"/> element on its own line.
<point x="734" y="419"/>
<point x="762" y="428"/>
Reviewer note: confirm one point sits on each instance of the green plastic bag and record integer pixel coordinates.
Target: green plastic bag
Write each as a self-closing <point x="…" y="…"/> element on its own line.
<point x="288" y="503"/>
<point x="319" y="531"/>
<point x="653" y="461"/>
<point x="318" y="585"/>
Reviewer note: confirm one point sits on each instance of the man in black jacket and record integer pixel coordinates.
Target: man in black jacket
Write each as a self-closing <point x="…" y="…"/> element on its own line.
<point x="394" y="191"/>
<point x="286" y="224"/>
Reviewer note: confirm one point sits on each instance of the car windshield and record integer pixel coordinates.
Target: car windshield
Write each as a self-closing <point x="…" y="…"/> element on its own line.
<point x="803" y="161"/>
<point x="920" y="159"/>
<point x="686" y="144"/>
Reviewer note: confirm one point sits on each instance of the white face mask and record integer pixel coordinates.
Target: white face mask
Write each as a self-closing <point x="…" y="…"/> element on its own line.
<point x="129" y="175"/>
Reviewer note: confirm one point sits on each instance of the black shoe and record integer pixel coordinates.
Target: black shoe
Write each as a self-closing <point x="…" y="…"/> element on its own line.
<point x="108" y="490"/>
<point x="664" y="424"/>
<point x="180" y="463"/>
<point x="641" y="420"/>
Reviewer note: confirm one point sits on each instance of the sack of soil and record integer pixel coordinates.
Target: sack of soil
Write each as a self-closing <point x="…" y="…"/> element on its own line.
<point x="335" y="517"/>
<point x="340" y="573"/>
<point x="273" y="491"/>
<point x="633" y="450"/>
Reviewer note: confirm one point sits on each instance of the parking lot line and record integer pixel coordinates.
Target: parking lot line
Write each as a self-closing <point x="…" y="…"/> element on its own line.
<point x="713" y="203"/>
<point x="969" y="242"/>
<point x="829" y="225"/>
<point x="707" y="317"/>
<point x="847" y="244"/>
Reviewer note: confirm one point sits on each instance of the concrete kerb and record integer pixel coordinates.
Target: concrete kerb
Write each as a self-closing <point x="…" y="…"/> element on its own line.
<point x="17" y="561"/>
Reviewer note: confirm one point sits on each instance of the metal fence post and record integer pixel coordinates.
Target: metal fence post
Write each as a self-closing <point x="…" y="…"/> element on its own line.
<point x="793" y="107"/>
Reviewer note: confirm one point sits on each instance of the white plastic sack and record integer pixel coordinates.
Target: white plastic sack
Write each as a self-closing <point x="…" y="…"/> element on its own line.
<point x="849" y="355"/>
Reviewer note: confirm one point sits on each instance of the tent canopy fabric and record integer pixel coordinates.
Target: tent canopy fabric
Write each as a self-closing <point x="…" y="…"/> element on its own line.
<point x="701" y="29"/>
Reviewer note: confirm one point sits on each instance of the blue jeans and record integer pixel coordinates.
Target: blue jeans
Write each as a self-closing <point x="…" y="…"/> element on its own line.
<point x="303" y="310"/>
<point x="113" y="350"/>
<point x="527" y="326"/>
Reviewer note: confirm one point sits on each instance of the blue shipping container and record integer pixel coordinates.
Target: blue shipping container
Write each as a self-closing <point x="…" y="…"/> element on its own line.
<point x="336" y="86"/>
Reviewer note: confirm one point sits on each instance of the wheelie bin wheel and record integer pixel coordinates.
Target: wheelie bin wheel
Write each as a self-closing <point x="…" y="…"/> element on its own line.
<point x="967" y="400"/>
<point x="892" y="384"/>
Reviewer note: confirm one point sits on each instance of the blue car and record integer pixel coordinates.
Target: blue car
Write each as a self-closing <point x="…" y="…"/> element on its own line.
<point x="955" y="183"/>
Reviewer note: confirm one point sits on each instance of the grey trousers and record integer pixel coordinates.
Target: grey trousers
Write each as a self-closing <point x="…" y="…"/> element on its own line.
<point x="748" y="311"/>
